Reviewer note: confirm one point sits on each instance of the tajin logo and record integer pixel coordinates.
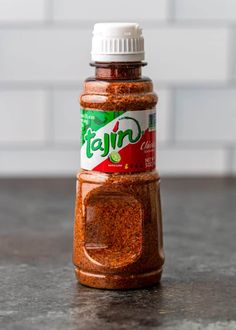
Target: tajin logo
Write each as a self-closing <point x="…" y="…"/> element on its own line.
<point x="112" y="140"/>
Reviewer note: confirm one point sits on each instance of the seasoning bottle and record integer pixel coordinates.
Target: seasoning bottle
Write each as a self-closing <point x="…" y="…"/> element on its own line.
<point x="118" y="227"/>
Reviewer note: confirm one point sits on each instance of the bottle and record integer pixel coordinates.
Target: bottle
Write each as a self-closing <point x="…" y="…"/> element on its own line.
<point x="118" y="227"/>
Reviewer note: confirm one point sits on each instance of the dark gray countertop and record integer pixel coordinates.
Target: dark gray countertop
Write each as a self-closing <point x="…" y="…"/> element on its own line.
<point x="38" y="289"/>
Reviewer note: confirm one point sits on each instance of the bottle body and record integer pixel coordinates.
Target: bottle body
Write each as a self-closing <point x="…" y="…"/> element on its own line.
<point x="118" y="230"/>
<point x="118" y="227"/>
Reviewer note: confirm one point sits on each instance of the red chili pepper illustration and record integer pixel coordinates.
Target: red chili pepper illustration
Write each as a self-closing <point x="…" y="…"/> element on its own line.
<point x="115" y="128"/>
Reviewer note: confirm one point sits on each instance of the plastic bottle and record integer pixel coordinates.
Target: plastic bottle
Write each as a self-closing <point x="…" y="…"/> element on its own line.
<point x="118" y="227"/>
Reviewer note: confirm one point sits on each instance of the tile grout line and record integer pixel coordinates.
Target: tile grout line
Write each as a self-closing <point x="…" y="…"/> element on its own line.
<point x="48" y="12"/>
<point x="231" y="55"/>
<point x="49" y="123"/>
<point x="171" y="11"/>
<point x="169" y="22"/>
<point x="173" y="117"/>
<point x="67" y="85"/>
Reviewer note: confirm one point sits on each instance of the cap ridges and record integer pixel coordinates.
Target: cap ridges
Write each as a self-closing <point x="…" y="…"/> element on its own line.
<point x="117" y="42"/>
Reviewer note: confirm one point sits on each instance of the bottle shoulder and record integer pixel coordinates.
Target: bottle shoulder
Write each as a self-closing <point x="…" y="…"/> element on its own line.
<point x="118" y="178"/>
<point x="117" y="95"/>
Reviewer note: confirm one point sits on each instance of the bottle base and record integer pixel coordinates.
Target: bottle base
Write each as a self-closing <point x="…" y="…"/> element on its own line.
<point x="118" y="282"/>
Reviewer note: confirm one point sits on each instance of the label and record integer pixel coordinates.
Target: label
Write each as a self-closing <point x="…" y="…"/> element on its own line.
<point x="123" y="141"/>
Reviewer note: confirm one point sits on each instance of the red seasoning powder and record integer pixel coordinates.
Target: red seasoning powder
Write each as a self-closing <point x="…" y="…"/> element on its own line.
<point x="118" y="227"/>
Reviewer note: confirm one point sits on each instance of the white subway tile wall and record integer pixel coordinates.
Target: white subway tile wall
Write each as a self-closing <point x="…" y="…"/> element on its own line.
<point x="22" y="10"/>
<point x="186" y="161"/>
<point x="41" y="162"/>
<point x="206" y="115"/>
<point x="187" y="55"/>
<point x="44" y="56"/>
<point x="206" y="9"/>
<point x="66" y="116"/>
<point x="104" y="10"/>
<point x="23" y="116"/>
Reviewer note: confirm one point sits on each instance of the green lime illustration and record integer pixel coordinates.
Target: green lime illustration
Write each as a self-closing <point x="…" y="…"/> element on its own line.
<point x="115" y="157"/>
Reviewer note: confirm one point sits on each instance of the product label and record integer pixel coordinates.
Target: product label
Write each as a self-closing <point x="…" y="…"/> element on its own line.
<point x="123" y="141"/>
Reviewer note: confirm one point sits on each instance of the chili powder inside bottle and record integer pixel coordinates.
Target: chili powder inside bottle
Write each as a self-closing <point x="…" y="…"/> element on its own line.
<point x="118" y="227"/>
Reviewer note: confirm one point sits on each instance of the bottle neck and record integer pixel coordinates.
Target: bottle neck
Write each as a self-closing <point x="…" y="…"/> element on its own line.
<point x="118" y="70"/>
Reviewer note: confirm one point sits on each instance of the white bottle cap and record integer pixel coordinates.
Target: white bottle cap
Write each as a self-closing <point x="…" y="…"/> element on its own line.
<point x="117" y="42"/>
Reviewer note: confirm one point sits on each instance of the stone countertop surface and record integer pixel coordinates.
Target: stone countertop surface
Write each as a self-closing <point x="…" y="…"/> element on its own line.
<point x="38" y="289"/>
